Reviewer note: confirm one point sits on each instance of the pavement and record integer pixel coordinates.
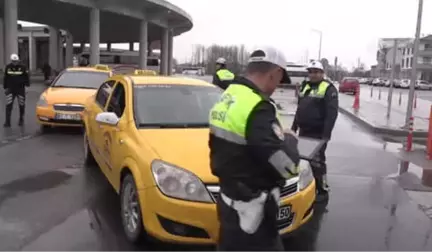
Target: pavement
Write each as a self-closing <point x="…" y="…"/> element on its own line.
<point x="373" y="111"/>
<point x="50" y="201"/>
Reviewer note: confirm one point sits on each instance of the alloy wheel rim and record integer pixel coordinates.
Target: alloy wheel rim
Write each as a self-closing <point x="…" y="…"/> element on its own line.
<point x="130" y="208"/>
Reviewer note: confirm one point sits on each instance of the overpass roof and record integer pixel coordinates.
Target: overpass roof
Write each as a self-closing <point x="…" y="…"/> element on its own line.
<point x="119" y="19"/>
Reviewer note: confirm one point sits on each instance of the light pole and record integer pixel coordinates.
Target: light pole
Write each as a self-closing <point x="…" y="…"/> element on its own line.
<point x="320" y="42"/>
<point x="409" y="112"/>
<point x="390" y="93"/>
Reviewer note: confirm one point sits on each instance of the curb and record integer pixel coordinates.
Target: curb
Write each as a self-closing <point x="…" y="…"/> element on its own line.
<point x="380" y="130"/>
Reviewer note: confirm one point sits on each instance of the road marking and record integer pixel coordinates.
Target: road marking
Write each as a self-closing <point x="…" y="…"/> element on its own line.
<point x="14" y="139"/>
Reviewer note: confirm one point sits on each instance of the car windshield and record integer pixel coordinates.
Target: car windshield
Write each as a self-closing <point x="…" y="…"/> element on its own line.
<point x="81" y="79"/>
<point x="174" y="106"/>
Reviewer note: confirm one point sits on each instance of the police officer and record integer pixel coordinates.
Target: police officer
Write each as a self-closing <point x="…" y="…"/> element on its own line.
<point x="251" y="155"/>
<point x="223" y="77"/>
<point x="316" y="116"/>
<point x="15" y="80"/>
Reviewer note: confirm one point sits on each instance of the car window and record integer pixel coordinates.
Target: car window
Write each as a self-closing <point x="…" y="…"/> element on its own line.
<point x="117" y="102"/>
<point x="174" y="105"/>
<point x="81" y="79"/>
<point x="104" y="93"/>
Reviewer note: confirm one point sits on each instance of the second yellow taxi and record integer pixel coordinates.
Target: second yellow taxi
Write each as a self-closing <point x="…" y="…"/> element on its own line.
<point x="149" y="136"/>
<point x="62" y="103"/>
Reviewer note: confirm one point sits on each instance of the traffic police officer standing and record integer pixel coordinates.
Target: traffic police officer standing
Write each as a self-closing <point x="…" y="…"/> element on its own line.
<point x="223" y="77"/>
<point x="316" y="116"/>
<point x="251" y="155"/>
<point x="15" y="80"/>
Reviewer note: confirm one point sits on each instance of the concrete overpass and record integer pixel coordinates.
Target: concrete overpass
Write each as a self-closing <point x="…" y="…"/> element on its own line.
<point x="95" y="22"/>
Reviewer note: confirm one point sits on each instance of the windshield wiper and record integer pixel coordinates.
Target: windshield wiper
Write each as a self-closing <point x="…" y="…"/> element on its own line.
<point x="173" y="125"/>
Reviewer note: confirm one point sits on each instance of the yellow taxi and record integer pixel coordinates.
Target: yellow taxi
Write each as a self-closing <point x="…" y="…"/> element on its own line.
<point x="149" y="136"/>
<point x="62" y="103"/>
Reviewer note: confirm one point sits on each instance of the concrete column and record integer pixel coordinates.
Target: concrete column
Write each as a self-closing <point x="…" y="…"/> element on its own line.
<point x="32" y="53"/>
<point x="61" y="62"/>
<point x="131" y="46"/>
<point x="143" y="44"/>
<point x="170" y="51"/>
<point x="69" y="50"/>
<point x="108" y="47"/>
<point x="94" y="36"/>
<point x="2" y="45"/>
<point x="164" y="52"/>
<point x="53" y="48"/>
<point x="11" y="27"/>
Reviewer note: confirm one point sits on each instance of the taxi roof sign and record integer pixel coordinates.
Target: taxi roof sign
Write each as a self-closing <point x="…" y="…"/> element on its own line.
<point x="102" y="67"/>
<point x="144" y="72"/>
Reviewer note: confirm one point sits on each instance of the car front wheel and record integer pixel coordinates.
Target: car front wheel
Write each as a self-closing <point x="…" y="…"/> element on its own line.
<point x="131" y="210"/>
<point x="88" y="155"/>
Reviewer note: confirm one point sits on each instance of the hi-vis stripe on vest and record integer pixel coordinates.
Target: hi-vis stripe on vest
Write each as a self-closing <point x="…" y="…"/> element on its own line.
<point x="225" y="75"/>
<point x="14" y="72"/>
<point x="317" y="93"/>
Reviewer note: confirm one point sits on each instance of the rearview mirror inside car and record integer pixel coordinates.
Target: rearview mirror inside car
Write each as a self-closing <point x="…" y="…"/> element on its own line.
<point x="107" y="118"/>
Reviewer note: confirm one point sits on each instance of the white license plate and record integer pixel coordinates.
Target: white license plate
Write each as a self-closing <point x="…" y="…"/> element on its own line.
<point x="74" y="117"/>
<point x="284" y="213"/>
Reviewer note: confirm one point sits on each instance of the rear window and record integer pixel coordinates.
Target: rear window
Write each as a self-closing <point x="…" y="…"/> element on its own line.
<point x="81" y="79"/>
<point x="350" y="80"/>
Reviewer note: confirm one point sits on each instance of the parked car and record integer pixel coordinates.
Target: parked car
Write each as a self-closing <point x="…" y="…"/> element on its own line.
<point x="363" y="81"/>
<point x="405" y="83"/>
<point x="386" y="83"/>
<point x="423" y="85"/>
<point x="349" y="85"/>
<point x="378" y="82"/>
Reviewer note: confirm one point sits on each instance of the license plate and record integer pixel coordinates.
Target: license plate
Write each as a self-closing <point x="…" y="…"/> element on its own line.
<point x="74" y="117"/>
<point x="284" y="213"/>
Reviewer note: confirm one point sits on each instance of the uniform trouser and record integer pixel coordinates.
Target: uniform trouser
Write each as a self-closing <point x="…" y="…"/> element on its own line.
<point x="233" y="238"/>
<point x="10" y="98"/>
<point x="319" y="166"/>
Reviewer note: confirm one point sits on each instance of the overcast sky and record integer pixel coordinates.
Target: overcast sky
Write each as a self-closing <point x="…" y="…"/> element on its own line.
<point x="350" y="28"/>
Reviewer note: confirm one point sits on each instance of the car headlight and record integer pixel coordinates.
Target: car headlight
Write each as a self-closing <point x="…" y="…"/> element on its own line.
<point x="305" y="175"/>
<point x="178" y="183"/>
<point x="42" y="102"/>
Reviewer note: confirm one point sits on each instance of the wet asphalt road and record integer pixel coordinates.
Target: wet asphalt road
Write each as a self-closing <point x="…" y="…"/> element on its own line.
<point x="50" y="201"/>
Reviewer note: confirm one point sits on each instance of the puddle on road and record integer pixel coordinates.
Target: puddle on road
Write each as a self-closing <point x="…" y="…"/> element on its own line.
<point x="39" y="182"/>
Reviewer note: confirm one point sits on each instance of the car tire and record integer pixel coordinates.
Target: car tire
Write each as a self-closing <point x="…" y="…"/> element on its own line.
<point x="89" y="159"/>
<point x="130" y="210"/>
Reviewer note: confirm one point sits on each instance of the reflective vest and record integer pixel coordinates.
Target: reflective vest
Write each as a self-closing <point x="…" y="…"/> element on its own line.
<point x="318" y="92"/>
<point x="225" y="75"/>
<point x="229" y="116"/>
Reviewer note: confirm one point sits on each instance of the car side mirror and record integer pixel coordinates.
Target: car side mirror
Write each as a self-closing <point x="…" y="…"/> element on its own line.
<point x="107" y="118"/>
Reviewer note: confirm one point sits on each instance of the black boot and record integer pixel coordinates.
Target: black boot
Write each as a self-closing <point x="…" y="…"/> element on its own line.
<point x="322" y="189"/>
<point x="7" y="124"/>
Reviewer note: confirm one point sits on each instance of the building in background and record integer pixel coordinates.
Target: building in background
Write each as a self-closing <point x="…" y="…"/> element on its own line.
<point x="405" y="58"/>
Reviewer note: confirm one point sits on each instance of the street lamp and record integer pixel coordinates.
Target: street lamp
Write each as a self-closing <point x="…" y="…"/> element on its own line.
<point x="409" y="112"/>
<point x="320" y="42"/>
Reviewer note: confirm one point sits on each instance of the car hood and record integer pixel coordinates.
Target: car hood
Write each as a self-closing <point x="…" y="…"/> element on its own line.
<point x="186" y="148"/>
<point x="68" y="95"/>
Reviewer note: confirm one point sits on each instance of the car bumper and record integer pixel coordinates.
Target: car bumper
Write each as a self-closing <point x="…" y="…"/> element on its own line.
<point x="178" y="221"/>
<point x="46" y="116"/>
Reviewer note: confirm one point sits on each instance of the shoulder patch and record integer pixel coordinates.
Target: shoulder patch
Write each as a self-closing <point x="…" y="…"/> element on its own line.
<point x="278" y="131"/>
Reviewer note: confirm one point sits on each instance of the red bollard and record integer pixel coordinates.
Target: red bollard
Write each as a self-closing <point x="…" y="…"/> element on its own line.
<point x="356" y="104"/>
<point x="410" y="135"/>
<point x="429" y="139"/>
<point x="415" y="100"/>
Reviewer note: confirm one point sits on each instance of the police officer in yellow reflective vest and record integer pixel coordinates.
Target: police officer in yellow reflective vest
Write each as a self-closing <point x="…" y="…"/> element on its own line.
<point x="223" y="77"/>
<point x="15" y="80"/>
<point x="316" y="116"/>
<point x="252" y="155"/>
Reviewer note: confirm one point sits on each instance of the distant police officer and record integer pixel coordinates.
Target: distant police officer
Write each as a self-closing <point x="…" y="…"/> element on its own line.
<point x="15" y="80"/>
<point x="223" y="77"/>
<point x="316" y="115"/>
<point x="251" y="155"/>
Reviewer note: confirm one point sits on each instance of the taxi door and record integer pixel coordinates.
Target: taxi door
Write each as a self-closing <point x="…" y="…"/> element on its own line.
<point x="94" y="137"/>
<point x="113" y="136"/>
